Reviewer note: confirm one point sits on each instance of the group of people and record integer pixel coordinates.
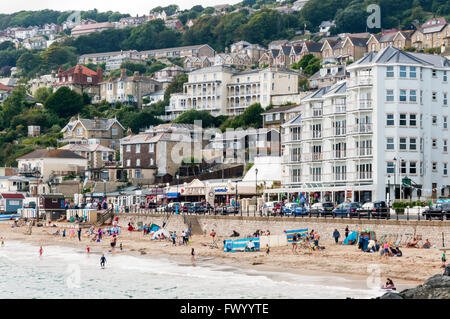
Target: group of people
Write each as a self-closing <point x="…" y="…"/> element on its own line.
<point x="309" y="241"/>
<point x="185" y="237"/>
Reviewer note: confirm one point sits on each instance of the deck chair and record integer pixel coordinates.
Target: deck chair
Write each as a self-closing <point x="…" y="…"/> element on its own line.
<point x="382" y="239"/>
<point x="214" y="245"/>
<point x="398" y="241"/>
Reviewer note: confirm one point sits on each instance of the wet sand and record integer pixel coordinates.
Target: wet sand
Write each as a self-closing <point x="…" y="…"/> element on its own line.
<point x="342" y="261"/>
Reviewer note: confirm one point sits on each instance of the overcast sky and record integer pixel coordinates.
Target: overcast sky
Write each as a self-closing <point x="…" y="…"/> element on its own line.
<point x="132" y="7"/>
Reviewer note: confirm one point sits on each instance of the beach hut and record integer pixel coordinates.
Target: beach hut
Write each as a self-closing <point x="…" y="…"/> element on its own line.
<point x="11" y="202"/>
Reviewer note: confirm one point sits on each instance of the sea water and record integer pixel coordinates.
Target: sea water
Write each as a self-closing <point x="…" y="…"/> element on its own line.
<point x="64" y="272"/>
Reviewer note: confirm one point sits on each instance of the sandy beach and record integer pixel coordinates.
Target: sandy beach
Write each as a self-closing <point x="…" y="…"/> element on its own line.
<point x="414" y="267"/>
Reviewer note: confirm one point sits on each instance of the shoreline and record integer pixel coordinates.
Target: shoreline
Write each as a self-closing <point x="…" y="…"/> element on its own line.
<point x="344" y="263"/>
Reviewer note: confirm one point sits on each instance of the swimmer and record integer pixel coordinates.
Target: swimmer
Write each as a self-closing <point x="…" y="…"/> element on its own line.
<point x="102" y="261"/>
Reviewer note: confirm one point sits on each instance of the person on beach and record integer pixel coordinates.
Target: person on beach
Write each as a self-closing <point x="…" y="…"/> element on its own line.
<point x="389" y="284"/>
<point x="294" y="244"/>
<point x="346" y="231"/>
<point x="427" y="244"/>
<point x="102" y="261"/>
<point x="336" y="236"/>
<point x="72" y="233"/>
<point x="121" y="246"/>
<point x="79" y="234"/>
<point x="3" y="242"/>
<point x="88" y="249"/>
<point x="192" y="255"/>
<point x="64" y="232"/>
<point x="174" y="237"/>
<point x="267" y="249"/>
<point x="183" y="236"/>
<point x="386" y="250"/>
<point x="213" y="235"/>
<point x="113" y="242"/>
<point x="443" y="259"/>
<point x="41" y="251"/>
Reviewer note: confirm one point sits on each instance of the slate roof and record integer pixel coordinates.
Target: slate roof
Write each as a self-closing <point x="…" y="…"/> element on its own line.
<point x="46" y="153"/>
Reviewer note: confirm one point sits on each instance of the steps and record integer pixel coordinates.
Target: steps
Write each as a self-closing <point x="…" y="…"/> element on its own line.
<point x="192" y="222"/>
<point x="102" y="218"/>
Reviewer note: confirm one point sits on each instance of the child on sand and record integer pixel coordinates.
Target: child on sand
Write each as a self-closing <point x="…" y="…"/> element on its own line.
<point x="443" y="259"/>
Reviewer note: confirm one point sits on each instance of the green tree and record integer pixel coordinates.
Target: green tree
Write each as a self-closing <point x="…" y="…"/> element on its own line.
<point x="64" y="102"/>
<point x="29" y="63"/>
<point x="42" y="94"/>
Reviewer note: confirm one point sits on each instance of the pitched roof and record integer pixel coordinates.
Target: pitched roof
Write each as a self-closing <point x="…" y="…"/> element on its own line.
<point x="280" y="109"/>
<point x="46" y="153"/>
<point x="86" y="148"/>
<point x="5" y="88"/>
<point x="12" y="196"/>
<point x="393" y="55"/>
<point x="96" y="124"/>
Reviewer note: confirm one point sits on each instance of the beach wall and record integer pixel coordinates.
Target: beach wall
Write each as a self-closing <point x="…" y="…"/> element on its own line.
<point x="247" y="225"/>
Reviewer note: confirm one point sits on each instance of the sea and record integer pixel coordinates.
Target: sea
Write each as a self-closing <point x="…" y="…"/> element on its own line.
<point x="69" y="273"/>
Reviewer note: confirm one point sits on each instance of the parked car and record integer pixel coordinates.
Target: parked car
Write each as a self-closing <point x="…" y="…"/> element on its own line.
<point x="322" y="209"/>
<point x="185" y="207"/>
<point x="376" y="209"/>
<point x="197" y="208"/>
<point x="301" y="210"/>
<point x="270" y="207"/>
<point x="227" y="210"/>
<point x="346" y="209"/>
<point x="438" y="210"/>
<point x="289" y="208"/>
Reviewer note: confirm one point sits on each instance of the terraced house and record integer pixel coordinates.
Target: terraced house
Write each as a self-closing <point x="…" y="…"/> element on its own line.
<point x="128" y="89"/>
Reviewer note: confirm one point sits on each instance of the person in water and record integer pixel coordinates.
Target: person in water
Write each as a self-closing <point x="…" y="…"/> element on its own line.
<point x="41" y="251"/>
<point x="102" y="261"/>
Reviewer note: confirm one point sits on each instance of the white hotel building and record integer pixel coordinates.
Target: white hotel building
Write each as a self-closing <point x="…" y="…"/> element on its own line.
<point x="360" y="138"/>
<point x="224" y="91"/>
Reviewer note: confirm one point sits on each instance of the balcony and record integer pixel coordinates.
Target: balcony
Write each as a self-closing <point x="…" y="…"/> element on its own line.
<point x="362" y="128"/>
<point x="339" y="108"/>
<point x="365" y="104"/>
<point x="360" y="81"/>
<point x="315" y="156"/>
<point x="287" y="138"/>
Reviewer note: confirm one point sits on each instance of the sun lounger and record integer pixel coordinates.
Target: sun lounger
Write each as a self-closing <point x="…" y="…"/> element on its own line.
<point x="398" y="241"/>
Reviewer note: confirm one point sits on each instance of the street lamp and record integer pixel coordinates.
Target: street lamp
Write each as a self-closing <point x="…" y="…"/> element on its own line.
<point x="178" y="181"/>
<point x="395" y="179"/>
<point x="256" y="187"/>
<point x="389" y="191"/>
<point x="236" y="199"/>
<point x="37" y="173"/>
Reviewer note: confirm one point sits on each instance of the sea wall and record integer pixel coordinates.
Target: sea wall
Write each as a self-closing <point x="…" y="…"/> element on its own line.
<point x="247" y="225"/>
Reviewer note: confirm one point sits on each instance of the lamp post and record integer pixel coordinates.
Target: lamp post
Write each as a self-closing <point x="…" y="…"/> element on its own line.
<point x="37" y="173"/>
<point x="256" y="188"/>
<point x="236" y="199"/>
<point x="389" y="191"/>
<point x="178" y="181"/>
<point x="395" y="179"/>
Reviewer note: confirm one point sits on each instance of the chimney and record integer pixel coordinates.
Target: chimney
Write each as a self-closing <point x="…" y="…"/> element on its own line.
<point x="100" y="74"/>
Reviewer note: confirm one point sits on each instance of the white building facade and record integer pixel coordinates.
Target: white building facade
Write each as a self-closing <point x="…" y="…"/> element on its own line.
<point x="382" y="134"/>
<point x="224" y="91"/>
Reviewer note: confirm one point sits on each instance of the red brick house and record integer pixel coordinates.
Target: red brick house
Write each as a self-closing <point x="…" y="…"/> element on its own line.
<point x="81" y="79"/>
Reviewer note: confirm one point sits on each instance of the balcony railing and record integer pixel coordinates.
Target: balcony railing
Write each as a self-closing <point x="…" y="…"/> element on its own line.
<point x="286" y="138"/>
<point x="362" y="128"/>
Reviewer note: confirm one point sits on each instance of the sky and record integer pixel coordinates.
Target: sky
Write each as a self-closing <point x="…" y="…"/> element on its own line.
<point x="132" y="7"/>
